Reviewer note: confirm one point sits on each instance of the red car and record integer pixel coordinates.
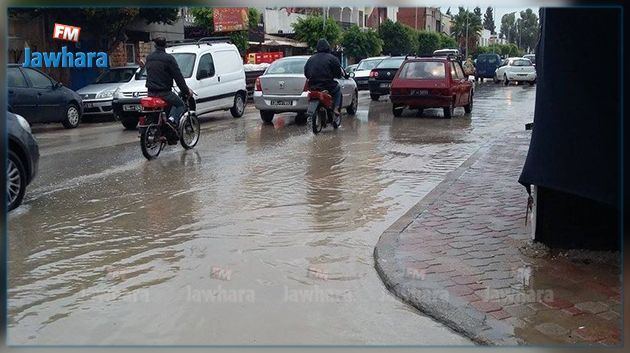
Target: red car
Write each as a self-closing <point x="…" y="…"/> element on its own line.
<point x="431" y="82"/>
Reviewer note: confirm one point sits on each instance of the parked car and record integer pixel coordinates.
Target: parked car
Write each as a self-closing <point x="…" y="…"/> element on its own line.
<point x="362" y="73"/>
<point x="431" y="82"/>
<point x="532" y="58"/>
<point x="447" y="52"/>
<point x="382" y="75"/>
<point x="486" y="65"/>
<point x="283" y="88"/>
<point x="516" y="69"/>
<point x="211" y="67"/>
<point x="23" y="159"/>
<point x="350" y="68"/>
<point x="40" y="99"/>
<point x="97" y="97"/>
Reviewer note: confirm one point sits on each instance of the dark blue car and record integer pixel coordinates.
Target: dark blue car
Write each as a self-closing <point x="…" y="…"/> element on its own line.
<point x="486" y="65"/>
<point x="40" y="99"/>
<point x="23" y="158"/>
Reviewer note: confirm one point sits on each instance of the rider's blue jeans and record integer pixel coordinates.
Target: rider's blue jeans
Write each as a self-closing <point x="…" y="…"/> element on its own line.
<point x="177" y="104"/>
<point x="336" y="93"/>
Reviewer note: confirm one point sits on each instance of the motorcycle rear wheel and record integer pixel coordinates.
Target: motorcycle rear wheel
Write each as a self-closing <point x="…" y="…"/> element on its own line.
<point x="151" y="142"/>
<point x="318" y="119"/>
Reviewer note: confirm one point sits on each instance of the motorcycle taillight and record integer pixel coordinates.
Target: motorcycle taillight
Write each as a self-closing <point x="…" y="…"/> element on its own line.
<point x="141" y="120"/>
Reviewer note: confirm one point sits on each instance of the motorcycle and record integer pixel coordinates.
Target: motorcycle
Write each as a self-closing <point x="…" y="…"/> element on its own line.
<point x="156" y="132"/>
<point x="320" y="110"/>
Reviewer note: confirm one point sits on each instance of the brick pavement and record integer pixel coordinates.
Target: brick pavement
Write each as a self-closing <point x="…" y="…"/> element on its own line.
<point x="460" y="256"/>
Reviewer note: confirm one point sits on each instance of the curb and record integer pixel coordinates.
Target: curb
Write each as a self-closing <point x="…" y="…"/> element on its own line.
<point x="464" y="321"/>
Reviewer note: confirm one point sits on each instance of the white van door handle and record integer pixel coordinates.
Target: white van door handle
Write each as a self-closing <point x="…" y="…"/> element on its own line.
<point x="219" y="78"/>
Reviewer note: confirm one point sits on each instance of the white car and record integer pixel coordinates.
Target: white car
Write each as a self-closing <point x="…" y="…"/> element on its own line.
<point x="97" y="97"/>
<point x="361" y="74"/>
<point x="517" y="70"/>
<point x="213" y="68"/>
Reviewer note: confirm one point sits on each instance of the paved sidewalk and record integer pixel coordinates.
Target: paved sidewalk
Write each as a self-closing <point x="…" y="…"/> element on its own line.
<point x="464" y="256"/>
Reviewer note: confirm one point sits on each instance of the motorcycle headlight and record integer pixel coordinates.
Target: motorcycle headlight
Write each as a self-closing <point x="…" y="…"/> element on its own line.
<point x="105" y="94"/>
<point x="23" y="123"/>
<point x="116" y="93"/>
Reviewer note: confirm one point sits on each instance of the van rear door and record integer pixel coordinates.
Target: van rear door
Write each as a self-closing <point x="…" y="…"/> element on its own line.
<point x="230" y="75"/>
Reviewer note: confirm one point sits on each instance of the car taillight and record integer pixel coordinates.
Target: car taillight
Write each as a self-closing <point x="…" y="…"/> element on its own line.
<point x="373" y="73"/>
<point x="306" y="87"/>
<point x="258" y="85"/>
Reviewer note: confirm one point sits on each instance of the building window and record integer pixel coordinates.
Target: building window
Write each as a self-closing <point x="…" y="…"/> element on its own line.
<point x="131" y="53"/>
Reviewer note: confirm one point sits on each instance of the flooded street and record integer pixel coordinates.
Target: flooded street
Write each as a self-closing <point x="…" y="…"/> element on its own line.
<point x="262" y="234"/>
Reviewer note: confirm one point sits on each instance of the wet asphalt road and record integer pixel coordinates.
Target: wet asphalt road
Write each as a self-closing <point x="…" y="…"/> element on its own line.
<point x="262" y="234"/>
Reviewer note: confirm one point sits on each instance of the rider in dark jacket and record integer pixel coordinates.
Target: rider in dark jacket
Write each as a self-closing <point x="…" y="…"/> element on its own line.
<point x="322" y="69"/>
<point x="162" y="70"/>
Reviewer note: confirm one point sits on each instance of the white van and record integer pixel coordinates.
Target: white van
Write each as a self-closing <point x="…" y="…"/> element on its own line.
<point x="211" y="68"/>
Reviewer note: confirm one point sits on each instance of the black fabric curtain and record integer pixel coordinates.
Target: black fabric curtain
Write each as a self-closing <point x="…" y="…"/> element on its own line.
<point x="576" y="139"/>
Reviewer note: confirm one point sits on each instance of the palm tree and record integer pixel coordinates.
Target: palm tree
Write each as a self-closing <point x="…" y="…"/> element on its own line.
<point x="466" y="24"/>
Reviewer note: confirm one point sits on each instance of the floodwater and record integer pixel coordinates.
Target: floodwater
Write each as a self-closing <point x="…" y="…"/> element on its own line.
<point x="262" y="234"/>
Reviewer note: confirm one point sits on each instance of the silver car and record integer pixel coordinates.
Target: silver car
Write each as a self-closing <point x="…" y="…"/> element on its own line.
<point x="282" y="88"/>
<point x="97" y="97"/>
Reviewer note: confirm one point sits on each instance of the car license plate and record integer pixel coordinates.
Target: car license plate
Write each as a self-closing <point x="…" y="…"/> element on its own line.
<point x="281" y="102"/>
<point x="421" y="92"/>
<point x="132" y="107"/>
<point x="384" y="85"/>
<point x="88" y="105"/>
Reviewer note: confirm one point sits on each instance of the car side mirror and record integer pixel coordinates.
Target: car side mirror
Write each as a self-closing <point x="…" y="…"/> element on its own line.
<point x="57" y="85"/>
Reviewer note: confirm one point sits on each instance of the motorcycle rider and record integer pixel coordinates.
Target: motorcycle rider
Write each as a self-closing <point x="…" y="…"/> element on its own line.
<point x="162" y="70"/>
<point x="321" y="70"/>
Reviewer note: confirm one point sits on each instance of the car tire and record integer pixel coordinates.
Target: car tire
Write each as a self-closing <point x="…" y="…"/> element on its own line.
<point x="16" y="181"/>
<point x="352" y="108"/>
<point x="374" y="97"/>
<point x="129" y="122"/>
<point x="238" y="108"/>
<point x="72" y="116"/>
<point x="448" y="111"/>
<point x="300" y="119"/>
<point x="506" y="82"/>
<point x="396" y="110"/>
<point x="420" y="111"/>
<point x="266" y="116"/>
<point x="468" y="107"/>
<point x="481" y="79"/>
<point x="495" y="79"/>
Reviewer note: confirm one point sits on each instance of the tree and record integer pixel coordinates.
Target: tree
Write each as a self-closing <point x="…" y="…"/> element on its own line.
<point x="398" y="39"/>
<point x="447" y="42"/>
<point x="359" y="44"/>
<point x="528" y="29"/>
<point x="204" y="17"/>
<point x="477" y="12"/>
<point x="428" y="42"/>
<point x="466" y="23"/>
<point x="107" y="23"/>
<point x="488" y="20"/>
<point x="311" y="29"/>
<point x="508" y="27"/>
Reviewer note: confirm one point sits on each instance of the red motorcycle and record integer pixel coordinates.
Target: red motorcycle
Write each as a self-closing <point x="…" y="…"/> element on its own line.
<point x="156" y="132"/>
<point x="320" y="110"/>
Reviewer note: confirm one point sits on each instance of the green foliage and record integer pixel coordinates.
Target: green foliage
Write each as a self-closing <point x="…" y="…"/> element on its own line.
<point x="466" y="24"/>
<point x="506" y="50"/>
<point x="359" y="44"/>
<point x="508" y="27"/>
<point x="528" y="29"/>
<point x="447" y="42"/>
<point x="311" y="29"/>
<point x="488" y="20"/>
<point x="398" y="39"/>
<point x="428" y="42"/>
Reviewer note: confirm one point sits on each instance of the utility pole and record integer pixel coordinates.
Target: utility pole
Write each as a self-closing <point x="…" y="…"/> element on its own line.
<point x="467" y="15"/>
<point x="416" y="27"/>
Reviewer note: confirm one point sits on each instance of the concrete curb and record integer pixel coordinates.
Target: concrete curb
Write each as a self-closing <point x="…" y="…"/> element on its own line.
<point x="465" y="321"/>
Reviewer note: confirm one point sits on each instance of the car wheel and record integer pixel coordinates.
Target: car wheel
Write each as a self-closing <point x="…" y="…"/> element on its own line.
<point x="375" y="97"/>
<point x="481" y="79"/>
<point x="468" y="107"/>
<point x="397" y="110"/>
<point x="72" y="116"/>
<point x="495" y="79"/>
<point x="266" y="116"/>
<point x="505" y="80"/>
<point x="352" y="108"/>
<point x="420" y="111"/>
<point x="238" y="108"/>
<point x="300" y="119"/>
<point x="448" y="111"/>
<point x="130" y="122"/>
<point x="16" y="180"/>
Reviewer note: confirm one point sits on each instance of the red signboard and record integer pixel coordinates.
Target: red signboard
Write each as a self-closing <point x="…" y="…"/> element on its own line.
<point x="230" y="19"/>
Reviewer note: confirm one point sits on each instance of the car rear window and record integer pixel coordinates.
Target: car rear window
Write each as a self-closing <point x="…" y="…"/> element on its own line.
<point x="424" y="70"/>
<point x="522" y="62"/>
<point x="490" y="59"/>
<point x="289" y="66"/>
<point x="393" y="63"/>
<point x="368" y="64"/>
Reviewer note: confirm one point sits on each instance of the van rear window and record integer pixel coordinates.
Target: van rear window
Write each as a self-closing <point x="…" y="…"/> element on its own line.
<point x="423" y="70"/>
